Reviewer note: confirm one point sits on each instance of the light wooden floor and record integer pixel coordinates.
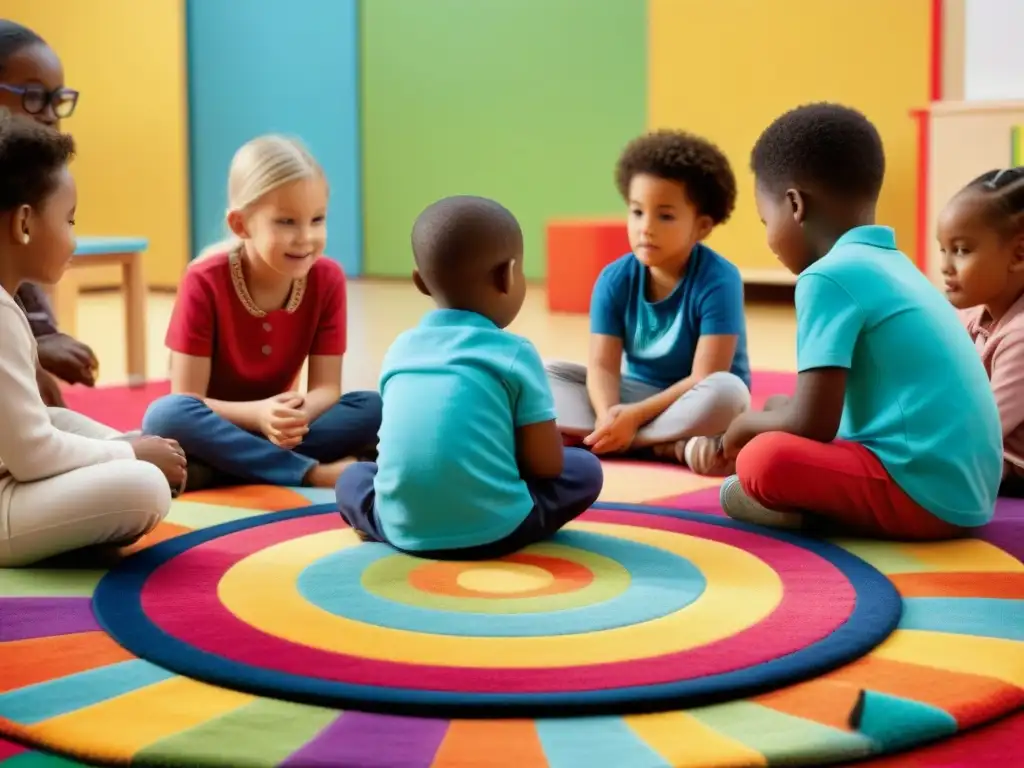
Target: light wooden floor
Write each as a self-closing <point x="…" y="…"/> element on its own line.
<point x="379" y="310"/>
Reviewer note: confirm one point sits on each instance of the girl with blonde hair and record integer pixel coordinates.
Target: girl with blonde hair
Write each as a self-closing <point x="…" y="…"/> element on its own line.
<point x="249" y="313"/>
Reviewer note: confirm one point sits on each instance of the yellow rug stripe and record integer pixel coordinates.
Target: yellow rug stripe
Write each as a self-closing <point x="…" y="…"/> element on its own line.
<point x="741" y="590"/>
<point x="169" y="707"/>
<point x="965" y="555"/>
<point x="987" y="656"/>
<point x="685" y="742"/>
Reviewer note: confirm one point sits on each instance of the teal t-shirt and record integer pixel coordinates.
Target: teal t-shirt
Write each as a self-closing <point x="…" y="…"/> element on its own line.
<point x="455" y="388"/>
<point x="917" y="395"/>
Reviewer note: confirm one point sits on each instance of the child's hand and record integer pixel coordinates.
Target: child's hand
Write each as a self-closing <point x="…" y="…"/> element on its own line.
<point x="166" y="455"/>
<point x="736" y="437"/>
<point x="614" y="433"/>
<point x="283" y="421"/>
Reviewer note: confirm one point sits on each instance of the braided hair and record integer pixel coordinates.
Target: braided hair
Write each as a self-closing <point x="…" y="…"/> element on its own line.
<point x="1003" y="192"/>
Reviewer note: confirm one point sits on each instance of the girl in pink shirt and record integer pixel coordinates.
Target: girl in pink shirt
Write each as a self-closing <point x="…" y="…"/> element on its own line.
<point x="981" y="234"/>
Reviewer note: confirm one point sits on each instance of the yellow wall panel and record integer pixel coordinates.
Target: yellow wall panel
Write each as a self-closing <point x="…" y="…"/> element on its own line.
<point x="127" y="57"/>
<point x="726" y="69"/>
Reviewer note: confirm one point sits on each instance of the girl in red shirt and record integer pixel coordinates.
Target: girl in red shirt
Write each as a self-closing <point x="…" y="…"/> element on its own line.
<point x="248" y="314"/>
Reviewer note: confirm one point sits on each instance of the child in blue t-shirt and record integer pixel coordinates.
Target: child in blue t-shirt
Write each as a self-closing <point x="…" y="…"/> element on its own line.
<point x="673" y="308"/>
<point x="871" y="443"/>
<point x="470" y="462"/>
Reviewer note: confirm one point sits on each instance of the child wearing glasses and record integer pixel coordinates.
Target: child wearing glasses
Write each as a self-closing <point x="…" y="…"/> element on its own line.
<point x="32" y="84"/>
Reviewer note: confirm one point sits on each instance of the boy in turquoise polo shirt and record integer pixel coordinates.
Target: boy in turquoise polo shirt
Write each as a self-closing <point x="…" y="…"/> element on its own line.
<point x="470" y="462"/>
<point x="893" y="431"/>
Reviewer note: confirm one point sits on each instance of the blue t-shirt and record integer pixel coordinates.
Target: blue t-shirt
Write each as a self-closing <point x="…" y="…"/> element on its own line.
<point x="455" y="388"/>
<point x="659" y="338"/>
<point x="917" y="395"/>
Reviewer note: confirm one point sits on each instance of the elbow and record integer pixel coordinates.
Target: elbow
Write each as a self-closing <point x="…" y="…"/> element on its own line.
<point x="817" y="429"/>
<point x="549" y="469"/>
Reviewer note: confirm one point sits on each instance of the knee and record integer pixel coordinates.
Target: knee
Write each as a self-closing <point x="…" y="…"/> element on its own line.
<point x="563" y="371"/>
<point x="586" y="468"/>
<point x="171" y="415"/>
<point x="369" y="408"/>
<point x="733" y="395"/>
<point x="764" y="457"/>
<point x="142" y="490"/>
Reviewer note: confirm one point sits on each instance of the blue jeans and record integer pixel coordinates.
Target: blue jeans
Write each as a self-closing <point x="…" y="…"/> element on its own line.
<point x="556" y="503"/>
<point x="345" y="429"/>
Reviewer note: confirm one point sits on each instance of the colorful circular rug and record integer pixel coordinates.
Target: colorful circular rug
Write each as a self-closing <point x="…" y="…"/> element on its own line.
<point x="630" y="609"/>
<point x="955" y="661"/>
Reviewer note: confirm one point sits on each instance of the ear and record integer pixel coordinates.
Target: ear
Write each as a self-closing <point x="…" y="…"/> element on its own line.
<point x="797" y="205"/>
<point x="236" y="223"/>
<point x="505" y="276"/>
<point x="1017" y="257"/>
<point x="20" y="225"/>
<point x="704" y="225"/>
<point x="418" y="282"/>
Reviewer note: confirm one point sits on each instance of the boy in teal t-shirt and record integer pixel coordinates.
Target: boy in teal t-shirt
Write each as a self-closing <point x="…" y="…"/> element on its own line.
<point x="871" y="441"/>
<point x="471" y="464"/>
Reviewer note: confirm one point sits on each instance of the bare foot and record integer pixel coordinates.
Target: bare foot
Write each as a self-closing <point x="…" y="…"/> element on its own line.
<point x="326" y="475"/>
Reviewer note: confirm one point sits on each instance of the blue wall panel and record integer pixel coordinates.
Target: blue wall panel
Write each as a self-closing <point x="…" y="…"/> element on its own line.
<point x="293" y="68"/>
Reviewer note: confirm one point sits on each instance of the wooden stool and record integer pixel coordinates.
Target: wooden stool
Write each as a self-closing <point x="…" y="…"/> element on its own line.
<point x="578" y="249"/>
<point x="104" y="251"/>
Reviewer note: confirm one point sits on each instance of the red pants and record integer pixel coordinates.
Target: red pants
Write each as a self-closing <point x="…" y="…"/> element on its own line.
<point x="841" y="483"/>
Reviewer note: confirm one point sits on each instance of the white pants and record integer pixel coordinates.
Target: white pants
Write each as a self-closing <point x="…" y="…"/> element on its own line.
<point x="111" y="503"/>
<point x="706" y="410"/>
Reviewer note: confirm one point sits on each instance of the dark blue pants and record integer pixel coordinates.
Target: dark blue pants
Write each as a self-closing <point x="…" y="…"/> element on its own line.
<point x="555" y="503"/>
<point x="236" y="455"/>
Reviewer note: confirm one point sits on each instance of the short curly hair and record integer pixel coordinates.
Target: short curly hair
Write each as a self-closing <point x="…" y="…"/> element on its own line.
<point x="31" y="155"/>
<point x="700" y="166"/>
<point x="821" y="146"/>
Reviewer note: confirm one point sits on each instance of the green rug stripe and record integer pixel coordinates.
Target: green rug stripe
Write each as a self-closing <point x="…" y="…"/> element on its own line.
<point x="259" y="735"/>
<point x="48" y="582"/>
<point x="39" y="760"/>
<point x="195" y="514"/>
<point x="783" y="738"/>
<point x="883" y="555"/>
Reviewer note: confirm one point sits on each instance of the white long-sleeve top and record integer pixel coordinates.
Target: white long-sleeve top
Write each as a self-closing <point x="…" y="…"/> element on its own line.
<point x="31" y="447"/>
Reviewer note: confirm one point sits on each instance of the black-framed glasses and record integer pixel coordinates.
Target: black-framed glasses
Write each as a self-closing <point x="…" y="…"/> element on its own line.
<point x="35" y="99"/>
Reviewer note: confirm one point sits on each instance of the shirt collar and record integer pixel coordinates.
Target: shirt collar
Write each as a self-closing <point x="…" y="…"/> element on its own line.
<point x="440" y="318"/>
<point x="870" y="234"/>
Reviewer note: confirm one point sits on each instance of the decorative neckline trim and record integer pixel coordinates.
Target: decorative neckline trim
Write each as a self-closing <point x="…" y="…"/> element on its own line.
<point x="242" y="290"/>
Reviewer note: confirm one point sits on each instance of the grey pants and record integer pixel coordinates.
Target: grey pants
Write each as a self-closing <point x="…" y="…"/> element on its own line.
<point x="706" y="410"/>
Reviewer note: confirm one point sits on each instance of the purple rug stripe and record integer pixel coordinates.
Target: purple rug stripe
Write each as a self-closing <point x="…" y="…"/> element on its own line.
<point x="1008" y="535"/>
<point x="1009" y="509"/>
<point x="23" y="618"/>
<point x="373" y="741"/>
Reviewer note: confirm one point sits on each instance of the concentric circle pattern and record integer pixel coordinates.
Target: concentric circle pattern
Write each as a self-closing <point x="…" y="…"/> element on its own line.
<point x="627" y="609"/>
<point x="270" y="593"/>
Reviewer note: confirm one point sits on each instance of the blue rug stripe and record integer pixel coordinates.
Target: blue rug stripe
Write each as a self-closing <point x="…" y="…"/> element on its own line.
<point x="981" y="616"/>
<point x="44" y="701"/>
<point x="895" y="723"/>
<point x="670" y="584"/>
<point x="117" y="605"/>
<point x="599" y="741"/>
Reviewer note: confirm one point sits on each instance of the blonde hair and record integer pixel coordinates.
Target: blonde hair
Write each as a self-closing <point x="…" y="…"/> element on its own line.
<point x="259" y="167"/>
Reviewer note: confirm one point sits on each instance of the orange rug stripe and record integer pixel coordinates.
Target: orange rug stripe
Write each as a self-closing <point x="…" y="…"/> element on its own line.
<point x="268" y="498"/>
<point x="27" y="662"/>
<point x="970" y="699"/>
<point x="824" y="701"/>
<point x="474" y="744"/>
<point x="162" y="532"/>
<point x="1005" y="586"/>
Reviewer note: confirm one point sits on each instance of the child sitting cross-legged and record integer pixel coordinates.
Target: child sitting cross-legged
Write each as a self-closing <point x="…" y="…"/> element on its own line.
<point x="869" y="444"/>
<point x="672" y="311"/>
<point x="471" y="465"/>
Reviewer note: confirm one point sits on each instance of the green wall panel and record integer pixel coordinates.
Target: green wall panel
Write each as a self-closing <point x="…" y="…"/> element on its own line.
<point x="525" y="101"/>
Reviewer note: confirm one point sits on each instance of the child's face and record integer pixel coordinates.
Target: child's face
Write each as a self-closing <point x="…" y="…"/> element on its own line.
<point x="43" y="238"/>
<point x="978" y="261"/>
<point x="37" y="69"/>
<point x="287" y="227"/>
<point x="782" y="216"/>
<point x="663" y="224"/>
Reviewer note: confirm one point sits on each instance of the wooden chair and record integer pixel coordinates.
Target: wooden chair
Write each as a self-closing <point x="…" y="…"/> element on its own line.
<point x="104" y="251"/>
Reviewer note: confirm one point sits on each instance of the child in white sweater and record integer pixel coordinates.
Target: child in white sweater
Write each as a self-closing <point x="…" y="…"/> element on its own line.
<point x="64" y="483"/>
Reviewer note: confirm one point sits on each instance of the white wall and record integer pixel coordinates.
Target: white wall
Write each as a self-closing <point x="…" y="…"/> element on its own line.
<point x="993" y="50"/>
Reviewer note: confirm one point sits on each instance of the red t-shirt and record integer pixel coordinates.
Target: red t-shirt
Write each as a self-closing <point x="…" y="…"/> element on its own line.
<point x="254" y="354"/>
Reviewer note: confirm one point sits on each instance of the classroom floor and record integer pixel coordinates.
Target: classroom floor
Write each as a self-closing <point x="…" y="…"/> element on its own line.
<point x="380" y="310"/>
